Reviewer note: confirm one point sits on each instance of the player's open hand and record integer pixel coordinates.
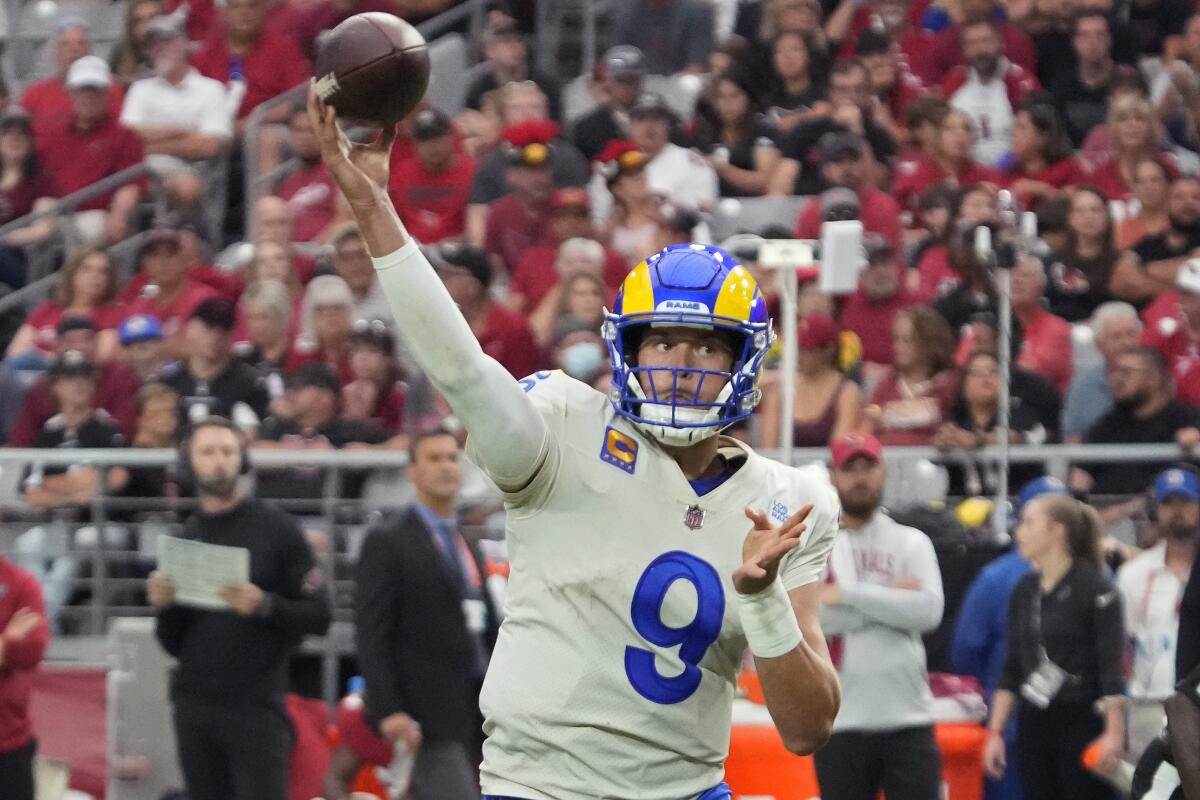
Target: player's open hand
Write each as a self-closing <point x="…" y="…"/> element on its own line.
<point x="361" y="170"/>
<point x="764" y="547"/>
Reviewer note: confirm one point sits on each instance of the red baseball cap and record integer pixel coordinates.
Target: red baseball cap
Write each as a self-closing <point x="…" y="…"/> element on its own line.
<point x="816" y="330"/>
<point x="853" y="445"/>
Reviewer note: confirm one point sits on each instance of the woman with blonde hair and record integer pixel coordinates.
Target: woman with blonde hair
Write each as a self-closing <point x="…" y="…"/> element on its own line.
<point x="86" y="287"/>
<point x="1135" y="135"/>
<point x="1062" y="663"/>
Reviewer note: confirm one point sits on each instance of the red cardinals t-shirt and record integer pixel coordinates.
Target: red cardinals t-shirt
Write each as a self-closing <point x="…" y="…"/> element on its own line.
<point x="311" y="198"/>
<point x="75" y="158"/>
<point x="432" y="205"/>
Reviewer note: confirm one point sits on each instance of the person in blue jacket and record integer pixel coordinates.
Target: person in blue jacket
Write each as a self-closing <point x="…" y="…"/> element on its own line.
<point x="982" y="626"/>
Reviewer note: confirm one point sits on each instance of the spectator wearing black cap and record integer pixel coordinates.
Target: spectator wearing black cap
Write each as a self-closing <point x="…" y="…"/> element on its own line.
<point x="142" y="344"/>
<point x="675" y="37"/>
<point x="679" y="174"/>
<point x="376" y="392"/>
<point x="309" y="191"/>
<point x="521" y="220"/>
<point x="853" y="101"/>
<point x="314" y="422"/>
<point x="431" y="188"/>
<point x="116" y="386"/>
<point x="738" y="142"/>
<point x="617" y="83"/>
<point x="207" y="379"/>
<point x="69" y="491"/>
<point x="169" y="294"/>
<point x="507" y="58"/>
<point x="85" y="287"/>
<point x="503" y="334"/>
<point x="181" y="116"/>
<point x="845" y="165"/>
<point x="24" y="187"/>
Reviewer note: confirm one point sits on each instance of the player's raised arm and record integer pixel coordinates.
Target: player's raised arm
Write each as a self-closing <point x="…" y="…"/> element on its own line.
<point x="508" y="434"/>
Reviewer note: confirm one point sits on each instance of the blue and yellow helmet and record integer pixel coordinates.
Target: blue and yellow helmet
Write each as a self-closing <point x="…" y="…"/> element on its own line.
<point x="692" y="285"/>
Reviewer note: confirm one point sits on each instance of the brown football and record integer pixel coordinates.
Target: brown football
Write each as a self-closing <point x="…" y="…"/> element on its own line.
<point x="373" y="67"/>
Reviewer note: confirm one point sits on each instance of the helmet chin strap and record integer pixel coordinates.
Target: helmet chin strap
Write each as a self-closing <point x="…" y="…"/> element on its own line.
<point x="666" y="433"/>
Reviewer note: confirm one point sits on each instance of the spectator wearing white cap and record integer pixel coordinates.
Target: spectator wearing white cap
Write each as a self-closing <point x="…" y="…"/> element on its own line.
<point x="49" y="98"/>
<point x="1178" y="337"/>
<point x="87" y="145"/>
<point x="180" y="115"/>
<point x="1152" y="587"/>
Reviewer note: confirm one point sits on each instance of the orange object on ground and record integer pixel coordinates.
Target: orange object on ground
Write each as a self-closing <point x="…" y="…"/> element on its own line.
<point x="760" y="765"/>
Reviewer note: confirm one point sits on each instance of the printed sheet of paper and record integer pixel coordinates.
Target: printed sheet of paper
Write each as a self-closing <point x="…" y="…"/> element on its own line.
<point x="199" y="570"/>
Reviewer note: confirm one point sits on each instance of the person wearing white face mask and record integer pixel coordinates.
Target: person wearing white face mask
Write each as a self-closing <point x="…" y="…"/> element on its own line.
<point x="181" y="116"/>
<point x="578" y="349"/>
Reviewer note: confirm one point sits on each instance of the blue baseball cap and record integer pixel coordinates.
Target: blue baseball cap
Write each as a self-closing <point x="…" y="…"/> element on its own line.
<point x="1176" y="482"/>
<point x="1037" y="487"/>
<point x="139" y="328"/>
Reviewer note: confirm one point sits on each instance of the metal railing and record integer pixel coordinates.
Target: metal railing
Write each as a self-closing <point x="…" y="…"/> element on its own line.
<point x="160" y="515"/>
<point x="39" y="287"/>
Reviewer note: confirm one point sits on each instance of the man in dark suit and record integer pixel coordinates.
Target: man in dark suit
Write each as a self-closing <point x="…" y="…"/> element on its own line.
<point x="425" y="627"/>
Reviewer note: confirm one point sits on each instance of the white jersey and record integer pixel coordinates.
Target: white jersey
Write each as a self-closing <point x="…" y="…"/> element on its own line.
<point x="614" y="673"/>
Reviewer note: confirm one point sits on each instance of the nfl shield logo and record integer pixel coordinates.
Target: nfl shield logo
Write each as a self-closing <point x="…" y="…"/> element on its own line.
<point x="694" y="517"/>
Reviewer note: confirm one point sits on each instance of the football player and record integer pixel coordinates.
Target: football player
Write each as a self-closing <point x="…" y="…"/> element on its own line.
<point x="647" y="550"/>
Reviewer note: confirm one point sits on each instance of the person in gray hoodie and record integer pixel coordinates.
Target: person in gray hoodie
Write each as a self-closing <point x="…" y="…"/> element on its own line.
<point x="883" y="590"/>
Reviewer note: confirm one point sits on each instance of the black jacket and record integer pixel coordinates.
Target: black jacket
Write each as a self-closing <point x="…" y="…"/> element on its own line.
<point x="414" y="650"/>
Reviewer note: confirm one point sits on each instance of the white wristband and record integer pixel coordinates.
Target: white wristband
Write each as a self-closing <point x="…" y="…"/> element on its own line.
<point x="769" y="621"/>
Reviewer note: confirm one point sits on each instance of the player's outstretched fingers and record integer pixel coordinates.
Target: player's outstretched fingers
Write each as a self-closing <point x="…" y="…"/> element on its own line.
<point x="758" y="518"/>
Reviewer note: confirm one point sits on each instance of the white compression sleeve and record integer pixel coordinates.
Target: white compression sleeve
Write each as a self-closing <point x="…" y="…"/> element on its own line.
<point x="508" y="433"/>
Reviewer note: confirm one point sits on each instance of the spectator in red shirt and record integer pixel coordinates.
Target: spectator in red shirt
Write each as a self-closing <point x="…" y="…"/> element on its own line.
<point x="539" y="269"/>
<point x="309" y="190"/>
<point x="1150" y="184"/>
<point x="521" y="220"/>
<point x="915" y="44"/>
<point x="935" y="275"/>
<point x="503" y="334"/>
<point x="1046" y="343"/>
<point x="116" y="387"/>
<point x="951" y="163"/>
<point x="24" y="636"/>
<point x="1177" y="337"/>
<point x="430" y="190"/>
<point x="1042" y="161"/>
<point x="269" y="221"/>
<point x="326" y="321"/>
<point x="49" y="98"/>
<point x="844" y="165"/>
<point x="240" y="50"/>
<point x="85" y="287"/>
<point x="574" y="257"/>
<point x="80" y="148"/>
<point x="881" y="294"/>
<point x="376" y="392"/>
<point x="224" y="282"/>
<point x="1134" y="132"/>
<point x="169" y="294"/>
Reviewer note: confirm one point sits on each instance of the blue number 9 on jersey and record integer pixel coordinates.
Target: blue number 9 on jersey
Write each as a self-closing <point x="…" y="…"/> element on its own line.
<point x="692" y="639"/>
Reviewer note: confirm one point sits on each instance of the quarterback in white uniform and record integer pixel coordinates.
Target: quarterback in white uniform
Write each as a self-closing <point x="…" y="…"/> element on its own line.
<point x="647" y="550"/>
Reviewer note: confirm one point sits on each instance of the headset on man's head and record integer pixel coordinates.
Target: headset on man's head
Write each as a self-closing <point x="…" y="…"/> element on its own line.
<point x="186" y="473"/>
